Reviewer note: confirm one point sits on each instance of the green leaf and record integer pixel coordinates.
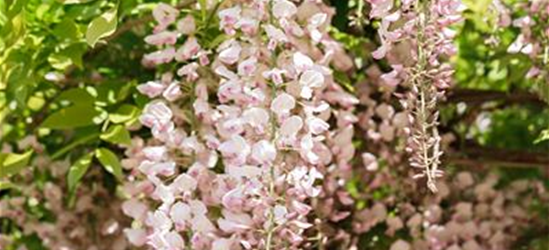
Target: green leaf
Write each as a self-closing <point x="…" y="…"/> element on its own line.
<point x="542" y="89"/>
<point x="112" y="92"/>
<point x="117" y="134"/>
<point x="82" y="136"/>
<point x="59" y="61"/>
<point x="109" y="161"/>
<point x="78" y="170"/>
<point x="203" y="9"/>
<point x="4" y="185"/>
<point x="15" y="7"/>
<point x="20" y="83"/>
<point x="11" y="163"/>
<point x="76" y="96"/>
<point x="75" y="1"/>
<point x="67" y="29"/>
<point x="102" y="26"/>
<point x="75" y="52"/>
<point x="125" y="114"/>
<point x="31" y="242"/>
<point x="35" y="103"/>
<point x="73" y="117"/>
<point x="68" y="56"/>
<point x="212" y="43"/>
<point x="543" y="136"/>
<point x="344" y="80"/>
<point x="479" y="6"/>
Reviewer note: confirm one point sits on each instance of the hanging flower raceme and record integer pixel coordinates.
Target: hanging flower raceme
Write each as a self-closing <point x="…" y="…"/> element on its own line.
<point x="241" y="142"/>
<point x="416" y="38"/>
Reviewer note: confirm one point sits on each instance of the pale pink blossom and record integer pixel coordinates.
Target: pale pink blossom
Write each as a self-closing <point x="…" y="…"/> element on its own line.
<point x="380" y="8"/>
<point x="282" y="104"/>
<point x="135" y="209"/>
<point x="316" y="125"/>
<point x="310" y="80"/>
<point x="172" y="92"/>
<point x="247" y="67"/>
<point x="235" y="222"/>
<point x="291" y="126"/>
<point x="302" y="62"/>
<point x="284" y="9"/>
<point x="189" y="71"/>
<point x="157" y="116"/>
<point x="231" y="54"/>
<point x="162" y="38"/>
<point x="186" y="25"/>
<point x="180" y="214"/>
<point x="236" y="148"/>
<point x="137" y="237"/>
<point x="189" y="50"/>
<point x="165" y="15"/>
<point x="400" y="245"/>
<point x="276" y="36"/>
<point x="160" y="56"/>
<point x="275" y="75"/>
<point x="151" y="89"/>
<point x="228" y="18"/>
<point x="263" y="152"/>
<point x="184" y="183"/>
<point x="222" y="244"/>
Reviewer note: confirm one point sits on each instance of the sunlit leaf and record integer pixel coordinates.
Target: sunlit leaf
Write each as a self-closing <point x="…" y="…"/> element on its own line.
<point x="68" y="56"/>
<point x="20" y="84"/>
<point x="125" y="114"/>
<point x="36" y="103"/>
<point x="11" y="163"/>
<point x="110" y="162"/>
<point x="544" y="136"/>
<point x="76" y="96"/>
<point x="59" y="61"/>
<point x="78" y="170"/>
<point x="102" y="26"/>
<point x="4" y="185"/>
<point x="67" y="29"/>
<point x="73" y="117"/>
<point x="75" y="1"/>
<point x="117" y="134"/>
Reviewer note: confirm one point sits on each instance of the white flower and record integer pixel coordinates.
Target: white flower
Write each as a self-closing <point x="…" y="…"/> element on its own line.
<point x="291" y="126"/>
<point x="263" y="152"/>
<point x="302" y="62"/>
<point x="284" y="9"/>
<point x="282" y="104"/>
<point x="309" y="80"/>
<point x="230" y="55"/>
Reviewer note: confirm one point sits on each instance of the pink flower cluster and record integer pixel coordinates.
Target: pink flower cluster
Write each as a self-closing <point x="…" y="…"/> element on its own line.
<point x="236" y="159"/>
<point x="416" y="38"/>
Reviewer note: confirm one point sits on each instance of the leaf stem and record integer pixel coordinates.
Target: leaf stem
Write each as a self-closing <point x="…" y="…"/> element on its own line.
<point x="73" y="144"/>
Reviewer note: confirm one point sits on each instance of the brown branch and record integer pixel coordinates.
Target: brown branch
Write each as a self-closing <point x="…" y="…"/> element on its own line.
<point x="458" y="159"/>
<point x="478" y="156"/>
<point x="476" y="96"/>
